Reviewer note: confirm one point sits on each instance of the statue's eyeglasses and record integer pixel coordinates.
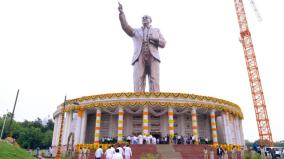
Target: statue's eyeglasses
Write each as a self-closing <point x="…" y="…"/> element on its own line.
<point x="146" y="17"/>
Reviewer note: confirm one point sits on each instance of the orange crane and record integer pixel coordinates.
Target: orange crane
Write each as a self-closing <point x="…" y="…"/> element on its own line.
<point x="265" y="135"/>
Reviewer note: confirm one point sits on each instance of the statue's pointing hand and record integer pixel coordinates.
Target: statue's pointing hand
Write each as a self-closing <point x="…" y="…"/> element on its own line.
<point x="120" y="8"/>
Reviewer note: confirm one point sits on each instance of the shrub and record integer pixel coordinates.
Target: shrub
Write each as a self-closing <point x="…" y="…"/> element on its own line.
<point x="150" y="156"/>
<point x="254" y="156"/>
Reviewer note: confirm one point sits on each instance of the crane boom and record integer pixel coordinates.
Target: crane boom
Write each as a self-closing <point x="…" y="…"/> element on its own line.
<point x="265" y="135"/>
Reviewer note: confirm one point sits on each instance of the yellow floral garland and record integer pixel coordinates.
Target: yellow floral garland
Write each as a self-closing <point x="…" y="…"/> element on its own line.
<point x="152" y="94"/>
<point x="94" y="146"/>
<point x="218" y="104"/>
<point x="227" y="147"/>
<point x="153" y="103"/>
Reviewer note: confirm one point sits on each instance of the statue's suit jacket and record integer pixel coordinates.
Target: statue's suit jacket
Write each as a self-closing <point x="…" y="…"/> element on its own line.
<point x="137" y="36"/>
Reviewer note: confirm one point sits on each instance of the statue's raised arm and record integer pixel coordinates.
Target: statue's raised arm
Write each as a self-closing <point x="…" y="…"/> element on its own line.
<point x="125" y="26"/>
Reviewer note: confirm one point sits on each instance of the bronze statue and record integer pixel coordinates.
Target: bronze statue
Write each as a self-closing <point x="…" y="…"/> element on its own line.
<point x="146" y="59"/>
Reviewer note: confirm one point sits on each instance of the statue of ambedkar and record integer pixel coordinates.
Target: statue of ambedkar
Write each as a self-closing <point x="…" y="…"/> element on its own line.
<point x="146" y="59"/>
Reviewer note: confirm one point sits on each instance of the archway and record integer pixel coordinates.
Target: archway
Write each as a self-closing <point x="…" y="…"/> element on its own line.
<point x="70" y="146"/>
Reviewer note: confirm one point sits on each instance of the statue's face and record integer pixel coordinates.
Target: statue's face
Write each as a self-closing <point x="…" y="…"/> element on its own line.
<point x="146" y="20"/>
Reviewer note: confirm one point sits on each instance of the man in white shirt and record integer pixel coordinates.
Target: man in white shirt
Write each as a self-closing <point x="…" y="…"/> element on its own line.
<point x="148" y="138"/>
<point x="178" y="139"/>
<point x="127" y="152"/>
<point x="113" y="149"/>
<point x="134" y="140"/>
<point x="117" y="155"/>
<point x="193" y="139"/>
<point x="154" y="140"/>
<point x="166" y="139"/>
<point x="140" y="138"/>
<point x="99" y="153"/>
<point x="128" y="139"/>
<point x="206" y="140"/>
<point x="109" y="152"/>
<point x="144" y="139"/>
<point x="120" y="150"/>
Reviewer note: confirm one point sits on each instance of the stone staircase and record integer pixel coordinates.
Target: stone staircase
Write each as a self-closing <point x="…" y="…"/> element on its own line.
<point x="168" y="152"/>
<point x="137" y="151"/>
<point x="191" y="151"/>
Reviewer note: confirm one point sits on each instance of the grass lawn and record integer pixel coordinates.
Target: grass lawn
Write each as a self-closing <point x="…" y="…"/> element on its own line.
<point x="8" y="151"/>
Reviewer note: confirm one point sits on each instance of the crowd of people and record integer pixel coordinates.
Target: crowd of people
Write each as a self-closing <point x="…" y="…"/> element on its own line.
<point x="273" y="152"/>
<point x="126" y="153"/>
<point x="150" y="139"/>
<point x="222" y="154"/>
<point x="111" y="153"/>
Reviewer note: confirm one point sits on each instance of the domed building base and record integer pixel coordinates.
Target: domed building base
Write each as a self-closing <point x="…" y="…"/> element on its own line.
<point x="118" y="115"/>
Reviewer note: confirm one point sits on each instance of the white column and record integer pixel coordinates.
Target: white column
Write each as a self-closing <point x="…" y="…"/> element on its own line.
<point x="64" y="129"/>
<point x="58" y="129"/>
<point x="229" y="135"/>
<point x="67" y="127"/>
<point x="225" y="128"/>
<point x="236" y="124"/>
<point x="54" y="131"/>
<point x="241" y="132"/>
<point x="171" y="122"/>
<point x="83" y="127"/>
<point x="214" y="127"/>
<point x="232" y="121"/>
<point x="98" y="126"/>
<point x="120" y="124"/>
<point x="78" y="128"/>
<point x="145" y="121"/>
<point x="194" y="124"/>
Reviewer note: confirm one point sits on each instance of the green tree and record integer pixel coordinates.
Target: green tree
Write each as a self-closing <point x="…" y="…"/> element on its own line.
<point x="279" y="144"/>
<point x="47" y="138"/>
<point x="31" y="134"/>
<point x="49" y="125"/>
<point x="31" y="138"/>
<point x="37" y="123"/>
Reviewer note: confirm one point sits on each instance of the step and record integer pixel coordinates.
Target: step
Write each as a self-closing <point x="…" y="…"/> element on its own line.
<point x="168" y="152"/>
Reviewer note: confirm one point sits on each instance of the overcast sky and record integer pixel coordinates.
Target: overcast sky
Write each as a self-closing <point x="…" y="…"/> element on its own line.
<point x="49" y="49"/>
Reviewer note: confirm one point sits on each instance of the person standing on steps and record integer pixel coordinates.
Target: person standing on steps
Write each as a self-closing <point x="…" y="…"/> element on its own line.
<point x="109" y="153"/>
<point x="205" y="153"/>
<point x="117" y="155"/>
<point x="127" y="152"/>
<point x="220" y="152"/>
<point x="99" y="152"/>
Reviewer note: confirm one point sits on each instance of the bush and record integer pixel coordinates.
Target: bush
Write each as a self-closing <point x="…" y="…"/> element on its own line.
<point x="150" y="156"/>
<point x="255" y="156"/>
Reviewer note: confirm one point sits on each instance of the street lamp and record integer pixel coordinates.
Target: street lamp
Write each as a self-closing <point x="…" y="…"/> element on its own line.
<point x="3" y="127"/>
